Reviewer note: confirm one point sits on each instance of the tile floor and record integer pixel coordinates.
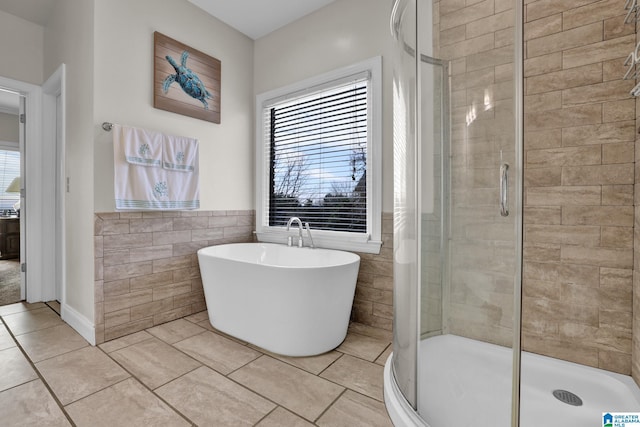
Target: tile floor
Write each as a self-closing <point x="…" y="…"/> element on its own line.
<point x="181" y="373"/>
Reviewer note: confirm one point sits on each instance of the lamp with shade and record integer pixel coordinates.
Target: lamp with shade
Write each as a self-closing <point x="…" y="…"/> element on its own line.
<point x="14" y="187"/>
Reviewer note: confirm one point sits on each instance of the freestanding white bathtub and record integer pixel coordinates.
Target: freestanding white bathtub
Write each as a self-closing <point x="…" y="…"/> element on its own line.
<point x="287" y="300"/>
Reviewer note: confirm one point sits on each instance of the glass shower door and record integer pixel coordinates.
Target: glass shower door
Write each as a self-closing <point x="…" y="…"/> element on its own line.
<point x="405" y="229"/>
<point x="457" y="212"/>
<point x="470" y="242"/>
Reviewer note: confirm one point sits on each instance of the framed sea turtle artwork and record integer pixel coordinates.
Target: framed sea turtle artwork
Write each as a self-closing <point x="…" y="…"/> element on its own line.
<point x="186" y="81"/>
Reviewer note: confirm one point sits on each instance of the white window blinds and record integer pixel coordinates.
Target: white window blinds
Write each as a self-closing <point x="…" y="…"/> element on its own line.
<point x="9" y="169"/>
<point x="316" y="145"/>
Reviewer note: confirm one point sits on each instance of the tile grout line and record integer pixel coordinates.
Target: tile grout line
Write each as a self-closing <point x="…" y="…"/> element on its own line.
<point x="56" y="311"/>
<point x="132" y="375"/>
<point x="390" y="345"/>
<point x="302" y="370"/>
<point x="277" y="405"/>
<point x="318" y="375"/>
<point x="330" y="365"/>
<point x="343" y="386"/>
<point x="266" y="415"/>
<point x="97" y="391"/>
<point x="126" y="346"/>
<point x="44" y="329"/>
<point x="330" y="405"/>
<point x="381" y="353"/>
<point x="37" y="371"/>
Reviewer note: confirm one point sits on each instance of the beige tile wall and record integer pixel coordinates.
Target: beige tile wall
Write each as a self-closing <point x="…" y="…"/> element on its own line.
<point x="579" y="176"/>
<point x="147" y="270"/>
<point x="373" y="304"/>
<point x="146" y="265"/>
<point x="579" y="183"/>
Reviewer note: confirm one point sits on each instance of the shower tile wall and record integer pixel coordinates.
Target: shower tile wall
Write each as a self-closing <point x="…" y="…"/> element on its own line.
<point x="146" y="265"/>
<point x="147" y="270"/>
<point x="579" y="183"/>
<point x="477" y="39"/>
<point x="579" y="176"/>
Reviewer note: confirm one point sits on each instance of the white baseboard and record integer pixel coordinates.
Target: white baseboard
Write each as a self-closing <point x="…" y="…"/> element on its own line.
<point x="81" y="324"/>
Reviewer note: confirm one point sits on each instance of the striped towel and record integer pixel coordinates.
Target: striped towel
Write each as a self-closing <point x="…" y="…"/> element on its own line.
<point x="142" y="147"/>
<point x="142" y="185"/>
<point x="180" y="154"/>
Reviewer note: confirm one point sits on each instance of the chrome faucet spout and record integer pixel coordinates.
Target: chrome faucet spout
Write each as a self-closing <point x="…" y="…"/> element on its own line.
<point x="291" y="221"/>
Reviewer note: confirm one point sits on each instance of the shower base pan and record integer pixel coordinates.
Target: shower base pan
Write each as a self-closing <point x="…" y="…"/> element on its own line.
<point x="464" y="382"/>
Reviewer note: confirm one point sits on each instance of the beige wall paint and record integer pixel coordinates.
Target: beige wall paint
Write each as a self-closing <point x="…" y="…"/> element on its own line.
<point x="68" y="38"/>
<point x="21" y="61"/>
<point x="124" y="94"/>
<point x="335" y="36"/>
<point x="9" y="129"/>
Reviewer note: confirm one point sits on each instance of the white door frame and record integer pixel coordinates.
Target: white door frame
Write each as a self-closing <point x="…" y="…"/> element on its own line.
<point x="40" y="184"/>
<point x="53" y="123"/>
<point x="23" y="222"/>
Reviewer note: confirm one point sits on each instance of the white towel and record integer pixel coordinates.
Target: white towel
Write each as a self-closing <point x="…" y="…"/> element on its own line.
<point x="142" y="186"/>
<point x="143" y="147"/>
<point x="180" y="154"/>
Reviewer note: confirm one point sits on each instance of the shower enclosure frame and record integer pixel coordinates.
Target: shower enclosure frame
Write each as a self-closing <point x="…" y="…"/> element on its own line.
<point x="406" y="410"/>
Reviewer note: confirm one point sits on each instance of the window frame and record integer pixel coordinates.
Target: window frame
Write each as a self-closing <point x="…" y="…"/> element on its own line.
<point x="368" y="242"/>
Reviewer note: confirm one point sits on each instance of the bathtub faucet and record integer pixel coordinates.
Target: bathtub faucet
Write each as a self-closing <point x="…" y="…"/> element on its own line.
<point x="291" y="221"/>
<point x="306" y="225"/>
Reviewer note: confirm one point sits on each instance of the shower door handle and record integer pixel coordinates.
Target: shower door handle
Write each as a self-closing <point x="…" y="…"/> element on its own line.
<point x="504" y="189"/>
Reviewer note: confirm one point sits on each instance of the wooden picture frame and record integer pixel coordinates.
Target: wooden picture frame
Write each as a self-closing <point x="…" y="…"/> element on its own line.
<point x="191" y="86"/>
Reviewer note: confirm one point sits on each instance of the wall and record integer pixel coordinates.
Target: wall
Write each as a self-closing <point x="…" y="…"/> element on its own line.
<point x="579" y="183"/>
<point x="9" y="129"/>
<point x="147" y="268"/>
<point x="124" y="94"/>
<point x="68" y="38"/>
<point x="332" y="37"/>
<point x="21" y="61"/>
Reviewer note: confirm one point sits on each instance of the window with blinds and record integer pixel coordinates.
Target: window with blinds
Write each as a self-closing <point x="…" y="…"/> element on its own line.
<point x="9" y="169"/>
<point x="317" y="151"/>
<point x="319" y="158"/>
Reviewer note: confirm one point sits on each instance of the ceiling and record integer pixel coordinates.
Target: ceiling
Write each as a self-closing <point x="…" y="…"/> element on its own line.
<point x="257" y="18"/>
<point x="36" y="11"/>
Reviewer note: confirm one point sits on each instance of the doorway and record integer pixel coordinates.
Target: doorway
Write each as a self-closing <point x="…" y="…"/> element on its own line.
<point x="42" y="255"/>
<point x="12" y="283"/>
